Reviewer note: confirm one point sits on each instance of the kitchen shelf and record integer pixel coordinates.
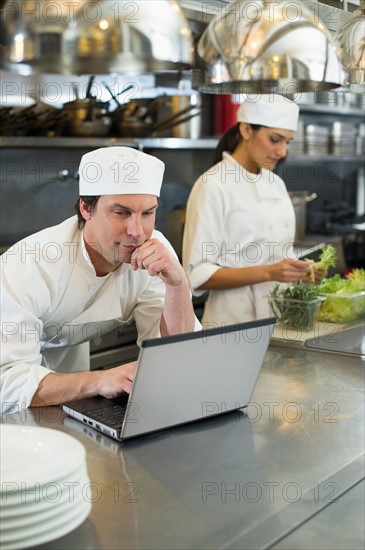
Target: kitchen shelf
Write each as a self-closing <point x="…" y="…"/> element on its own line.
<point x="312" y="159"/>
<point x="151" y="143"/>
<point x="46" y="142"/>
<point x="140" y="143"/>
<point x="337" y="110"/>
<point x="178" y="143"/>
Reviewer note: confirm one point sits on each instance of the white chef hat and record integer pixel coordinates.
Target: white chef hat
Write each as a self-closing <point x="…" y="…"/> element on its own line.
<point x="273" y="111"/>
<point x="120" y="171"/>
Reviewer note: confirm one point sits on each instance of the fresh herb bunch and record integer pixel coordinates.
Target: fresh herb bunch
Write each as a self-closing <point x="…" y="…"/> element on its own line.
<point x="327" y="258"/>
<point x="298" y="291"/>
<point x="296" y="307"/>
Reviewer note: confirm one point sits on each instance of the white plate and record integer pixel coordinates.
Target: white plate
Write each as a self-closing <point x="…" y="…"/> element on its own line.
<point x="28" y="513"/>
<point x="32" y="455"/>
<point x="41" y="495"/>
<point x="10" y="524"/>
<point x="39" y="524"/>
<point x="50" y="530"/>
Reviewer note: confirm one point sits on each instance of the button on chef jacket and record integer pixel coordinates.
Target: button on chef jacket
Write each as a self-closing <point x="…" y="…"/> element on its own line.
<point x="53" y="304"/>
<point x="236" y="219"/>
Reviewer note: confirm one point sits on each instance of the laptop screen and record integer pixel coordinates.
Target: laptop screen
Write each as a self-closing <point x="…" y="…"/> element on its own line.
<point x="183" y="378"/>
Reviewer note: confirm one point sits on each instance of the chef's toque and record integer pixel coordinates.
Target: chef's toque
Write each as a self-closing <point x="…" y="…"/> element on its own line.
<point x="273" y="111"/>
<point x="120" y="171"/>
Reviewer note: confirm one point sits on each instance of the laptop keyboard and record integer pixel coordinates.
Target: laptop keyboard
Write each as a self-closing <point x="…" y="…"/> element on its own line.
<point x="111" y="416"/>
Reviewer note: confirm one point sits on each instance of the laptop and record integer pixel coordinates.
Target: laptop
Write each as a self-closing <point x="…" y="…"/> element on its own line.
<point x="182" y="378"/>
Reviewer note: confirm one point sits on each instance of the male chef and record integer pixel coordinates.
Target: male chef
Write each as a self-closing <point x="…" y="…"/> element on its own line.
<point x="80" y="279"/>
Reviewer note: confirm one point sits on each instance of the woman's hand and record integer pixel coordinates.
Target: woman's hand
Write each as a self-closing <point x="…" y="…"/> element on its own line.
<point x="315" y="276"/>
<point x="290" y="271"/>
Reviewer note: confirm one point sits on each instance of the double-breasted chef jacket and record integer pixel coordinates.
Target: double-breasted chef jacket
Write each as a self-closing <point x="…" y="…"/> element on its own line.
<point x="235" y="218"/>
<point x="53" y="304"/>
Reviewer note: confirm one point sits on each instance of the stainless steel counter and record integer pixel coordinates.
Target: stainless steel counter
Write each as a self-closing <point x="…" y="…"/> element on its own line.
<point x="94" y="142"/>
<point x="347" y="339"/>
<point x="259" y="479"/>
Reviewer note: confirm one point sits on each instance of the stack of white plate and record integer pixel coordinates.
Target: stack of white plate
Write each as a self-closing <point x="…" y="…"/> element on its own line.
<point x="45" y="488"/>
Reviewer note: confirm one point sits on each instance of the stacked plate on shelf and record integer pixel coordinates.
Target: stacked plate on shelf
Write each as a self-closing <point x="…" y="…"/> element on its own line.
<point x="297" y="143"/>
<point x="317" y="139"/>
<point x="343" y="139"/>
<point x="45" y="488"/>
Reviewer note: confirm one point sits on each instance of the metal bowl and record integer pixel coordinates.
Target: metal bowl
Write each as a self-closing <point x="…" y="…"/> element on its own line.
<point x="95" y="37"/>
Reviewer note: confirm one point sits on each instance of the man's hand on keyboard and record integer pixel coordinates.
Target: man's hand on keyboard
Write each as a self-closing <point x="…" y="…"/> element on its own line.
<point x="113" y="382"/>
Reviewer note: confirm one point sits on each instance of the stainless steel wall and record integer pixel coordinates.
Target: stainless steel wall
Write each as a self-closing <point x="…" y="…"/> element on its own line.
<point x="38" y="189"/>
<point x="39" y="185"/>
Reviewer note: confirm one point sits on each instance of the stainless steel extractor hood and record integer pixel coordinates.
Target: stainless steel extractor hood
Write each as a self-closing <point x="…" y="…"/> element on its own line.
<point x="267" y="45"/>
<point x="94" y="37"/>
<point x="351" y="42"/>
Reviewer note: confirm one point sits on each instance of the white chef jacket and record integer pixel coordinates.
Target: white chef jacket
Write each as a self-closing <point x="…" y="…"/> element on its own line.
<point x="53" y="304"/>
<point x="236" y="219"/>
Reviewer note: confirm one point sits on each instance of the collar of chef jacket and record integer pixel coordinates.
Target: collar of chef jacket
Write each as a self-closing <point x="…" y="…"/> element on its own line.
<point x="264" y="184"/>
<point x="111" y="308"/>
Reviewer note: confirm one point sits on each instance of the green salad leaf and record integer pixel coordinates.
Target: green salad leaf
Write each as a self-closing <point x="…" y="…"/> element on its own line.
<point x="345" y="298"/>
<point x="352" y="284"/>
<point x="356" y="280"/>
<point x="332" y="285"/>
<point x="327" y="258"/>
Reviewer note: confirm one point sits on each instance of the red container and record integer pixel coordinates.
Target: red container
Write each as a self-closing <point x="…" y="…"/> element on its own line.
<point x="225" y="113"/>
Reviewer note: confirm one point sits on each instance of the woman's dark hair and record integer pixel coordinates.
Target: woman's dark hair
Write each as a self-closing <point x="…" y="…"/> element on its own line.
<point x="229" y="141"/>
<point x="91" y="202"/>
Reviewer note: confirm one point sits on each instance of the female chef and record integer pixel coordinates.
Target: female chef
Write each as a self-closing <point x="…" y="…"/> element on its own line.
<point x="240" y="222"/>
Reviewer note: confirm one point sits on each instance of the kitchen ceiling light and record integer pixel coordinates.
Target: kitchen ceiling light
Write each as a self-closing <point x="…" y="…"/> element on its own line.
<point x="94" y="37"/>
<point x="265" y="46"/>
<point x="351" y="42"/>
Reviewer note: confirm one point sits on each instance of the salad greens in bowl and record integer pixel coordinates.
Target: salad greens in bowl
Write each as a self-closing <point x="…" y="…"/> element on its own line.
<point x="344" y="297"/>
<point x="335" y="299"/>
